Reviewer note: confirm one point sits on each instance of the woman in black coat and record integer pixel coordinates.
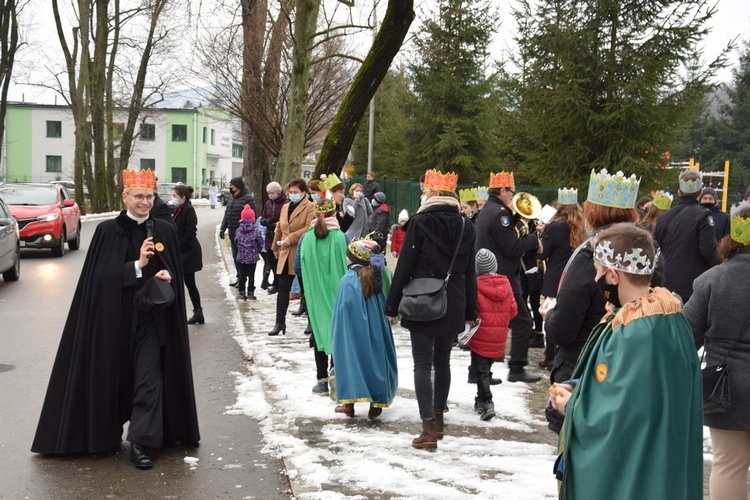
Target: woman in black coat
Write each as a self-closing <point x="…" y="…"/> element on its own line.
<point x="429" y="244"/>
<point x="190" y="249"/>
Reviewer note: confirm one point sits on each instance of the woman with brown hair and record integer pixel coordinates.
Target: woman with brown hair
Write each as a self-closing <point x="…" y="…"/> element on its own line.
<point x="661" y="202"/>
<point x="718" y="312"/>
<point x="294" y="220"/>
<point x="186" y="221"/>
<point x="362" y="212"/>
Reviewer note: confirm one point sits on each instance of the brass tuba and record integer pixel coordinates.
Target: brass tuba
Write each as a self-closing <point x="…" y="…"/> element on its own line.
<point x="527" y="207"/>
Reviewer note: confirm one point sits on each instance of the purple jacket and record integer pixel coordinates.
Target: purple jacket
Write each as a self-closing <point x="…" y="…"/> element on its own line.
<point x="249" y="242"/>
<point x="270" y="217"/>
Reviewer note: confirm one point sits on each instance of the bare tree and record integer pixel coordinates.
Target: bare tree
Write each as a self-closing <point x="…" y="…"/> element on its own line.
<point x="9" y="41"/>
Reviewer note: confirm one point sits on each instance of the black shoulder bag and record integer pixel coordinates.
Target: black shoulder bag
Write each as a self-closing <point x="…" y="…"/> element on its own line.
<point x="717" y="397"/>
<point x="426" y="299"/>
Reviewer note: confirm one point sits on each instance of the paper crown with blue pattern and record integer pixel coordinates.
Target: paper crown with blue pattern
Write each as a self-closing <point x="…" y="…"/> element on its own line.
<point x="482" y="193"/>
<point x="616" y="191"/>
<point x="739" y="227"/>
<point x="567" y="196"/>
<point x="662" y="200"/>
<point x="690" y="186"/>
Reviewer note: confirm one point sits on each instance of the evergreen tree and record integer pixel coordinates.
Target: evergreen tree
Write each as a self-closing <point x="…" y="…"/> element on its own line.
<point x="602" y="84"/>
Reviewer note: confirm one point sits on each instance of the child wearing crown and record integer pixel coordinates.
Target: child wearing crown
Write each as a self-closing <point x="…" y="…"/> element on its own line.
<point x="636" y="390"/>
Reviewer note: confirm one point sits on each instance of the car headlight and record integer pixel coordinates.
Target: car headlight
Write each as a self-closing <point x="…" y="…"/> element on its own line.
<point x="49" y="217"/>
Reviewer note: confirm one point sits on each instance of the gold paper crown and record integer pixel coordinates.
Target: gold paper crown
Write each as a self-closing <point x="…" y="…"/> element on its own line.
<point x="616" y="191"/>
<point x="329" y="181"/>
<point x="739" y="229"/>
<point x="502" y="180"/>
<point x="662" y="200"/>
<point x="438" y="181"/>
<point x="324" y="205"/>
<point x="466" y="195"/>
<point x="132" y="179"/>
<point x="363" y="249"/>
<point x="567" y="196"/>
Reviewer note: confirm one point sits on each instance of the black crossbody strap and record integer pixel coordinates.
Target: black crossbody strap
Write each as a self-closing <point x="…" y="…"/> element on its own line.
<point x="458" y="244"/>
<point x="735" y="342"/>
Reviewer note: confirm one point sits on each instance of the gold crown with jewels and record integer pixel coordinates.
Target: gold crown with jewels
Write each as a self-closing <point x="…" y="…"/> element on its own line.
<point x="739" y="229"/>
<point x="132" y="179"/>
<point x="438" y="181"/>
<point x="363" y="248"/>
<point x="616" y="191"/>
<point x="502" y="180"/>
<point x="662" y="200"/>
<point x="324" y="205"/>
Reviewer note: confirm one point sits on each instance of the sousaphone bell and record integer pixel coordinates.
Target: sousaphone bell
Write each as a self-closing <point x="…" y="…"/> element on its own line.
<point x="527" y="207"/>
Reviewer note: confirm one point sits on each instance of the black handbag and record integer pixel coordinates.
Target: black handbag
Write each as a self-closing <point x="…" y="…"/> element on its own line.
<point x="426" y="299"/>
<point x="717" y="397"/>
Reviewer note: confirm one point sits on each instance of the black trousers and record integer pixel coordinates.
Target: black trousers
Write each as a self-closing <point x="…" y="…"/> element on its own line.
<point x="283" y="287"/>
<point x="146" y="422"/>
<point x="535" y="300"/>
<point x="269" y="265"/>
<point x="431" y="351"/>
<point x="321" y="360"/>
<point x="195" y="296"/>
<point x="483" y="367"/>
<point x="247" y="275"/>
<point x="520" y="335"/>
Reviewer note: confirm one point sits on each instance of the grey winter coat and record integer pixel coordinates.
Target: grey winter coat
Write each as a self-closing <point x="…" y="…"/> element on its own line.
<point x="718" y="309"/>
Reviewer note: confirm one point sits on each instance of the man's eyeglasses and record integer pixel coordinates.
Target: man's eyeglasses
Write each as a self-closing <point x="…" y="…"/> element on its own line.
<point x="142" y="197"/>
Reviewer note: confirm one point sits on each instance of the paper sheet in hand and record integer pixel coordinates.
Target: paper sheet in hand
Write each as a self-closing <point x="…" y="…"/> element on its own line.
<point x="546" y="214"/>
<point x="468" y="333"/>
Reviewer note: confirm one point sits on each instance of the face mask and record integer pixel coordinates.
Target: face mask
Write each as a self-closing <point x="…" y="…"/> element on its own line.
<point x="315" y="197"/>
<point x="273" y="196"/>
<point x="609" y="291"/>
<point x="708" y="205"/>
<point x="358" y="194"/>
<point x="422" y="199"/>
<point x="374" y="203"/>
<point x="589" y="232"/>
<point x="174" y="202"/>
<point x="294" y="198"/>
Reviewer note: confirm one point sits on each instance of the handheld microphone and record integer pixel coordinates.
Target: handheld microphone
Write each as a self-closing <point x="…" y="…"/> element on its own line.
<point x="149" y="230"/>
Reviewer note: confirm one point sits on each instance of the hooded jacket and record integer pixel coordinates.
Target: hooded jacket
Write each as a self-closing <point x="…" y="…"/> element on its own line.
<point x="235" y="205"/>
<point x="497" y="307"/>
<point x="381" y="216"/>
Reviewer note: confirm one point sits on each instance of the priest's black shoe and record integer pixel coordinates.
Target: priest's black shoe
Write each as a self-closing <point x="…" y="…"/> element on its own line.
<point x="522" y="376"/>
<point x="278" y="328"/>
<point x="139" y="458"/>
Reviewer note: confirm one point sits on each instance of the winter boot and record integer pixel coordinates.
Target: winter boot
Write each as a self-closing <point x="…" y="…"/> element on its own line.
<point x="278" y="328"/>
<point x="549" y="358"/>
<point x="478" y="406"/>
<point x="241" y="295"/>
<point x="272" y="289"/>
<point x="302" y="307"/>
<point x="488" y="410"/>
<point x="264" y="283"/>
<point x="308" y="328"/>
<point x="374" y="411"/>
<point x="428" y="439"/>
<point x="439" y="428"/>
<point x="321" y="388"/>
<point x="197" y="318"/>
<point x="537" y="340"/>
<point x="347" y="409"/>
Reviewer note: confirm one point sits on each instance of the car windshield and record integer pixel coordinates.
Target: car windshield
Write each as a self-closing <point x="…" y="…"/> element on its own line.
<point x="28" y="195"/>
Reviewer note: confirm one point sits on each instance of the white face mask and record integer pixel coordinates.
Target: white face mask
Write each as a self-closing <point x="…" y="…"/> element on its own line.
<point x="422" y="199"/>
<point x="358" y="194"/>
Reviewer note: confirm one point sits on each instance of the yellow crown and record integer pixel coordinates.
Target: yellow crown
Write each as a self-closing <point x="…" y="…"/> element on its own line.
<point x="662" y="200"/>
<point x="739" y="229"/>
<point x="438" y="181"/>
<point x="466" y="195"/>
<point x="132" y="179"/>
<point x="329" y="181"/>
<point x="502" y="180"/>
<point x="324" y="205"/>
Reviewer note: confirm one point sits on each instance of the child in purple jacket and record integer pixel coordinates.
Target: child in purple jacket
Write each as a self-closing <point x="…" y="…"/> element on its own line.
<point x="249" y="245"/>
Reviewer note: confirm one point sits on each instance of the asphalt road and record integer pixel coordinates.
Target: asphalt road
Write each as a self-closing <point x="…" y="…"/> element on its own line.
<point x="32" y="313"/>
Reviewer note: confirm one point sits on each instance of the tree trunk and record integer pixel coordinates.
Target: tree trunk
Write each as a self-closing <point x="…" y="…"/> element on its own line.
<point x="9" y="41"/>
<point x="289" y="163"/>
<point x="338" y="142"/>
<point x="97" y="97"/>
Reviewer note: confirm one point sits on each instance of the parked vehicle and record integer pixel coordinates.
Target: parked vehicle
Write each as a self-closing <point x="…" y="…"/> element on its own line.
<point x="10" y="245"/>
<point x="224" y="196"/>
<point x="70" y="187"/>
<point x="47" y="216"/>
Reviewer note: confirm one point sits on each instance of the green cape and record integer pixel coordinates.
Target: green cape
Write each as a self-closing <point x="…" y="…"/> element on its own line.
<point x="323" y="263"/>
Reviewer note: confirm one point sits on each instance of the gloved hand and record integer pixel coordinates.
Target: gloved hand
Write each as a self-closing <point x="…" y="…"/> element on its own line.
<point x="350" y="209"/>
<point x="221" y="234"/>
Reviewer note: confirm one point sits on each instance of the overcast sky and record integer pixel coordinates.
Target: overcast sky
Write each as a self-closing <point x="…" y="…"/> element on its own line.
<point x="731" y="20"/>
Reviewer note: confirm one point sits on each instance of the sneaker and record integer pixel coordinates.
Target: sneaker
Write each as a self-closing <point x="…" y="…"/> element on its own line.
<point x="488" y="410"/>
<point x="321" y="388"/>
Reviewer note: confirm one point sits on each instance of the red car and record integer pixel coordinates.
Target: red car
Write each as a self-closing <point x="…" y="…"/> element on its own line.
<point x="47" y="216"/>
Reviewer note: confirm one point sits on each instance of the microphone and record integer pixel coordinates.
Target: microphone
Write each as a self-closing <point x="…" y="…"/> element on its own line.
<point x="149" y="230"/>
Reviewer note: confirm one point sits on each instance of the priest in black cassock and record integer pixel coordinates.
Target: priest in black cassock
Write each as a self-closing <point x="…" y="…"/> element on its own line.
<point x="123" y="356"/>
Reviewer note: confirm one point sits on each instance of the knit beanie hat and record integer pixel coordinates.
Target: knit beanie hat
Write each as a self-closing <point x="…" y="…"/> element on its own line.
<point x="379" y="197"/>
<point x="711" y="191"/>
<point x="485" y="262"/>
<point x="403" y="216"/>
<point x="238" y="183"/>
<point x="247" y="214"/>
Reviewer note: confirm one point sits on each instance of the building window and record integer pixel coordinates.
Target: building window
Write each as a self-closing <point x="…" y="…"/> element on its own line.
<point x="213" y="137"/>
<point x="204" y="134"/>
<point x="148" y="132"/>
<point x="149" y="163"/>
<point x="179" y="174"/>
<point x="237" y="150"/>
<point x="179" y="133"/>
<point x="54" y="128"/>
<point x="54" y="164"/>
<point x="118" y="130"/>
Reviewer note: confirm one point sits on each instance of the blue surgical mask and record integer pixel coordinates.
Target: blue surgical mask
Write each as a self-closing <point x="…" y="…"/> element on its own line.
<point x="315" y="197"/>
<point x="374" y="203"/>
<point x="174" y="202"/>
<point x="294" y="198"/>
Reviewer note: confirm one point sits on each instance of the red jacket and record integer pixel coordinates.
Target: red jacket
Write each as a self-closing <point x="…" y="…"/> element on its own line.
<point x="497" y="307"/>
<point x="397" y="239"/>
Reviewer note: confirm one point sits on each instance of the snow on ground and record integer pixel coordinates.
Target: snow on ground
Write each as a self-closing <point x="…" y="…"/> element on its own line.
<point x="329" y="455"/>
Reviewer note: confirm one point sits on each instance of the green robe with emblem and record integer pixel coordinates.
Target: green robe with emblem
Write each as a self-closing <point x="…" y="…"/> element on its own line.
<point x="323" y="262"/>
<point x="633" y="425"/>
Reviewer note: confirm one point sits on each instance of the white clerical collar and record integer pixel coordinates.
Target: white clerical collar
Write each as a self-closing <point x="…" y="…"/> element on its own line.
<point x="139" y="220"/>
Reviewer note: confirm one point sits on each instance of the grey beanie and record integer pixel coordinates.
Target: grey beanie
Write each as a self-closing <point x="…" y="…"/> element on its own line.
<point x="711" y="191"/>
<point x="379" y="197"/>
<point x="485" y="262"/>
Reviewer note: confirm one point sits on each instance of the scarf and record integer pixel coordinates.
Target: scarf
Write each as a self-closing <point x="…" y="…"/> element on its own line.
<point x="440" y="200"/>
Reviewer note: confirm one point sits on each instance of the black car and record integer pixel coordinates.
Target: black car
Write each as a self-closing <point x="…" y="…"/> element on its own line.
<point x="224" y="196"/>
<point x="10" y="246"/>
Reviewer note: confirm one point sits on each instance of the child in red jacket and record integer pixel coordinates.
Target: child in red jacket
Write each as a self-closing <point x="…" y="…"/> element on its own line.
<point x="496" y="308"/>
<point x="398" y="233"/>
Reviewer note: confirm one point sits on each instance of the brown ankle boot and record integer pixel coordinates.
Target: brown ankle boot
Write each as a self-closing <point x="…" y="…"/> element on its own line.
<point x="428" y="439"/>
<point x="347" y="409"/>
<point x="439" y="423"/>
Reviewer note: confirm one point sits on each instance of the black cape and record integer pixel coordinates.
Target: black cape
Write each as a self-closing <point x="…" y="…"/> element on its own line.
<point x="90" y="389"/>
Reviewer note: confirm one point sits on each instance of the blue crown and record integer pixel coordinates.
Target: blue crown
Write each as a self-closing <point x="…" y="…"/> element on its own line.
<point x="689" y="186"/>
<point x="616" y="191"/>
<point x="482" y="193"/>
<point x="567" y="196"/>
